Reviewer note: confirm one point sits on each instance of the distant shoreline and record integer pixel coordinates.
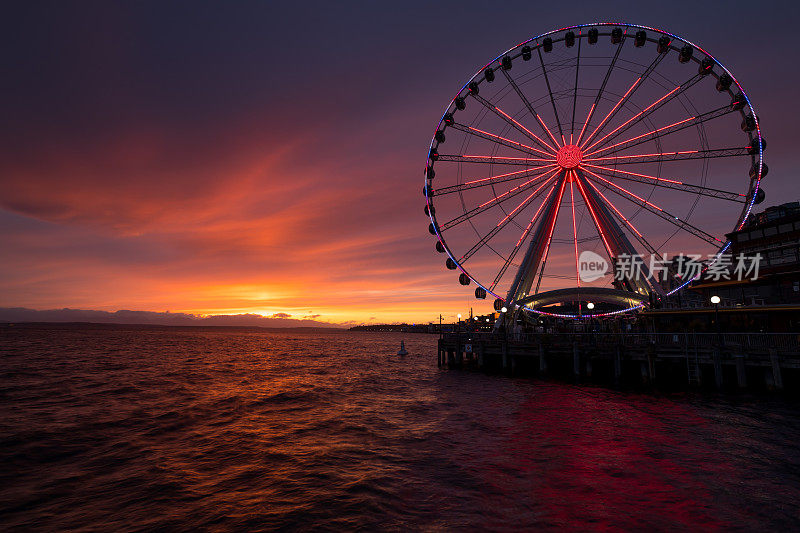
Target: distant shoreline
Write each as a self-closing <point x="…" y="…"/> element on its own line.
<point x="381" y="328"/>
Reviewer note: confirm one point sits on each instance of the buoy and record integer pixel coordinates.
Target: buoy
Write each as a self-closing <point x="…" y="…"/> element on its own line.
<point x="402" y="350"/>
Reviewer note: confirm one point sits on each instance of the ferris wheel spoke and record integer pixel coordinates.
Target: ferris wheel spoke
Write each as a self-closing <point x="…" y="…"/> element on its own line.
<point x="665" y="130"/>
<point x="620" y="217"/>
<point x="492" y="180"/>
<point x="514" y="123"/>
<point x="500" y="140"/>
<point x="598" y="226"/>
<point x="552" y="98"/>
<point x="602" y="88"/>
<point x="500" y="225"/>
<point x="531" y="110"/>
<point x="613" y="110"/>
<point x="661" y="157"/>
<point x="628" y="94"/>
<point x="497" y="200"/>
<point x="647" y="111"/>
<point x="499" y="160"/>
<point x="658" y="211"/>
<point x="522" y="238"/>
<point x="574" y="230"/>
<point x="575" y="92"/>
<point x="668" y="183"/>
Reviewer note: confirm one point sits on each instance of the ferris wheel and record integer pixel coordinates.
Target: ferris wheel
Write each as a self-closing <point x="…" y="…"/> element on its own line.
<point x="597" y="141"/>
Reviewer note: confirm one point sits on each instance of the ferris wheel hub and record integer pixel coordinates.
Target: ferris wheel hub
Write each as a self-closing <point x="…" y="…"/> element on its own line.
<point x="569" y="156"/>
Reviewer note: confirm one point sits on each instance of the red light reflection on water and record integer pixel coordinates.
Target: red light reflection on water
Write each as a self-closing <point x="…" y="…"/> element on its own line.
<point x="606" y="463"/>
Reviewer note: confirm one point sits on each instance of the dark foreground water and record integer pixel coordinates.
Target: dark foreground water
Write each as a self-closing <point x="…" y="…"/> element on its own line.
<point x="124" y="429"/>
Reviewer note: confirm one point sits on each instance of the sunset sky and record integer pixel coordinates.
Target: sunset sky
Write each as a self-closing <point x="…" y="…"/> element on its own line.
<point x="267" y="157"/>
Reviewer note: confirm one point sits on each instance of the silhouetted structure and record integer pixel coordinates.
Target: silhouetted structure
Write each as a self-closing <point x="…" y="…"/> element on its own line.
<point x="775" y="235"/>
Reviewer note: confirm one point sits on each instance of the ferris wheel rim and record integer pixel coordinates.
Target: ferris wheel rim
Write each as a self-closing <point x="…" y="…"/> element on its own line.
<point x="536" y="45"/>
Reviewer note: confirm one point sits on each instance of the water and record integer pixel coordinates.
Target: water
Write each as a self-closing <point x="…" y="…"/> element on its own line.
<point x="129" y="429"/>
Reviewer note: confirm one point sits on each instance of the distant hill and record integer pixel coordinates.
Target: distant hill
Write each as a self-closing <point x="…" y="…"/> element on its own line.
<point x="24" y="315"/>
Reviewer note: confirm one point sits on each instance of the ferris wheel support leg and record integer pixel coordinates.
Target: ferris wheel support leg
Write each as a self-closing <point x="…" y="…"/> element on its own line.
<point x="537" y="249"/>
<point x="616" y="241"/>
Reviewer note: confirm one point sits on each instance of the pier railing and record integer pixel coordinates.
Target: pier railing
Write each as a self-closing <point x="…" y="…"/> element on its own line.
<point x="730" y="342"/>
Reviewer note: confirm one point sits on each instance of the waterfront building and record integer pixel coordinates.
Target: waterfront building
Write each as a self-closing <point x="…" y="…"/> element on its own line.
<point x="771" y="301"/>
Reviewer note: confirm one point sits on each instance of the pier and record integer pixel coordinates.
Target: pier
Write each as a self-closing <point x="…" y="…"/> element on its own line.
<point x="752" y="361"/>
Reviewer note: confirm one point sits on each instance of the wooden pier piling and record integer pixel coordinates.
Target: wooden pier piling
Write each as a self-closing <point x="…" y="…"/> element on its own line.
<point x="776" y="369"/>
<point x="717" y="361"/>
<point x="542" y="360"/>
<point x="576" y="360"/>
<point x="741" y="373"/>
